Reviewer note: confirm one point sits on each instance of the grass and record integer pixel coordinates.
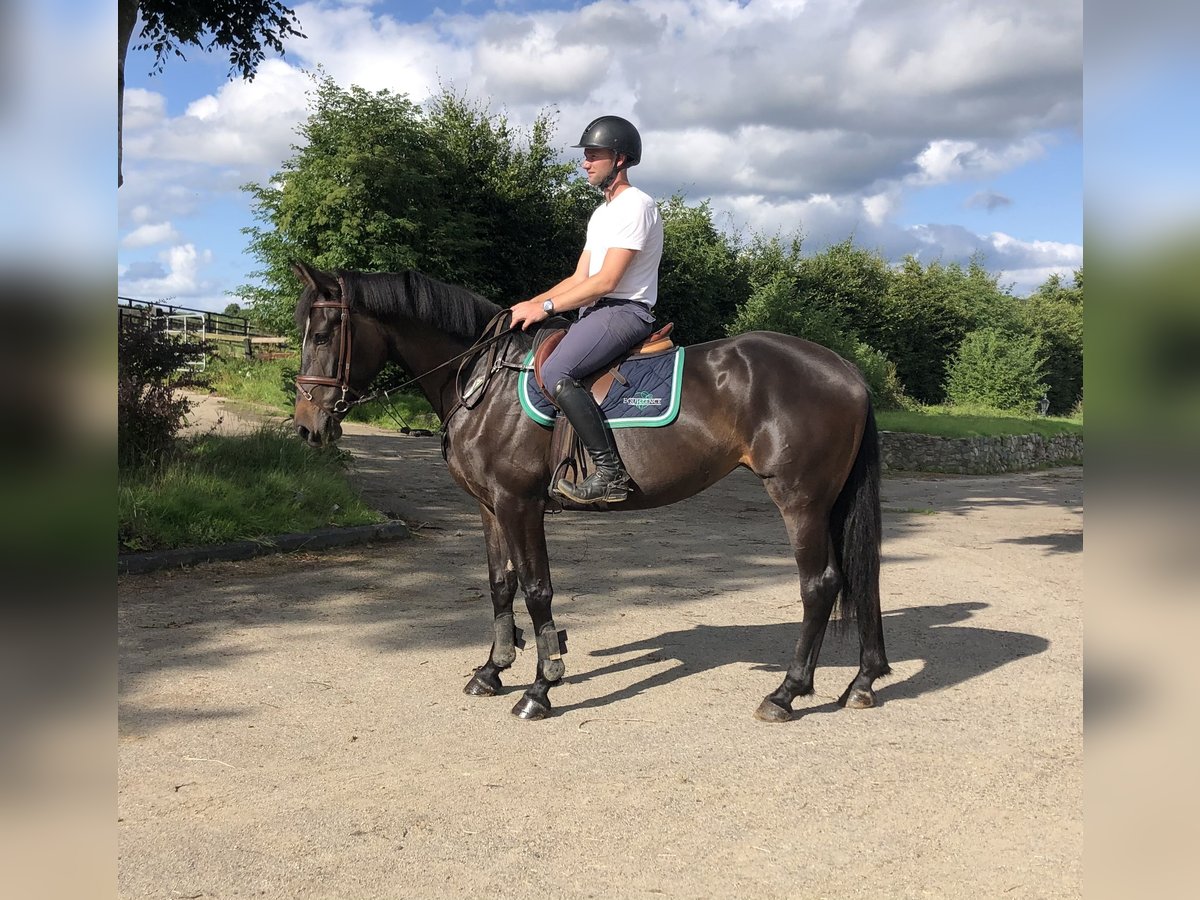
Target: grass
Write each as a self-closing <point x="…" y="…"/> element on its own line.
<point x="959" y="422"/>
<point x="412" y="410"/>
<point x="262" y="382"/>
<point x="221" y="488"/>
<point x="271" y="383"/>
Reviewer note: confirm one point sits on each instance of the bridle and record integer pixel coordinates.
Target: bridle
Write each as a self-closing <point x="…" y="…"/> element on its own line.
<point x="351" y="397"/>
<point x="341" y="376"/>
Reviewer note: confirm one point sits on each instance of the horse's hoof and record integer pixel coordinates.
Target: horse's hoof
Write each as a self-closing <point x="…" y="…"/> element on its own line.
<point x="528" y="708"/>
<point x="857" y="698"/>
<point x="480" y="686"/>
<point x="770" y="711"/>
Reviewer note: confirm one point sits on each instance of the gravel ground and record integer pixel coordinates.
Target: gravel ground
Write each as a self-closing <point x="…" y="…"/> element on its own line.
<point x="295" y="726"/>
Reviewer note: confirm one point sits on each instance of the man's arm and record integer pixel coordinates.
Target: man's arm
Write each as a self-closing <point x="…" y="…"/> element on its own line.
<point x="579" y="276"/>
<point x="572" y="293"/>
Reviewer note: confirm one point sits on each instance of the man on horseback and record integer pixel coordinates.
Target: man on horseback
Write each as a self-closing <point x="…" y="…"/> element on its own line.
<point x="615" y="287"/>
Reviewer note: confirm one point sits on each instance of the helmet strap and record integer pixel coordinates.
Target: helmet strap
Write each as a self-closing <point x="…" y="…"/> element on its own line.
<point x="617" y="169"/>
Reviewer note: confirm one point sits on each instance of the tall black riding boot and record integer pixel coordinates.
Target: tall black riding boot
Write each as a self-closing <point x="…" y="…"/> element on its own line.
<point x="610" y="482"/>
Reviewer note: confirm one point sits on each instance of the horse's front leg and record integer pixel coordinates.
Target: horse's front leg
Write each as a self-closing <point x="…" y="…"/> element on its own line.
<point x="503" y="579"/>
<point x="523" y="523"/>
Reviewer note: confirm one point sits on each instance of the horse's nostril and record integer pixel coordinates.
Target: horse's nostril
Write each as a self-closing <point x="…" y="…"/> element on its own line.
<point x="303" y="432"/>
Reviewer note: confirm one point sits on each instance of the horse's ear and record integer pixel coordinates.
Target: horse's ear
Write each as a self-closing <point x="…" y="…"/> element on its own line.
<point x="321" y="282"/>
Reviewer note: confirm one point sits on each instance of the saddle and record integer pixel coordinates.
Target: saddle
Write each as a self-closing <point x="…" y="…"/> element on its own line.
<point x="567" y="452"/>
<point x="599" y="382"/>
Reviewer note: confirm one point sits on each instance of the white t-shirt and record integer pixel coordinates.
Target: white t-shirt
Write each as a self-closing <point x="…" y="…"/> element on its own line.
<point x="632" y="222"/>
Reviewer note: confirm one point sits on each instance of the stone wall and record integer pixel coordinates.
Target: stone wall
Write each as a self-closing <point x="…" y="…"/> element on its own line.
<point x="902" y="452"/>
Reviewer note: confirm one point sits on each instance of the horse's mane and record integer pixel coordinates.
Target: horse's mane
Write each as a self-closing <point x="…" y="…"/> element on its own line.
<point x="393" y="295"/>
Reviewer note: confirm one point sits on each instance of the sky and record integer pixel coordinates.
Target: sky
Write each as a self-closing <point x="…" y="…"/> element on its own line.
<point x="940" y="128"/>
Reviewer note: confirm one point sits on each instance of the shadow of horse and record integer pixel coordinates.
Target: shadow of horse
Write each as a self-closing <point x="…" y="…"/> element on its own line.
<point x="951" y="653"/>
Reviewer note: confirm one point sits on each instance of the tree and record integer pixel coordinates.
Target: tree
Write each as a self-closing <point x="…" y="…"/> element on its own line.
<point x="816" y="298"/>
<point x="383" y="185"/>
<point x="1054" y="314"/>
<point x="242" y="27"/>
<point x="700" y="282"/>
<point x="777" y="302"/>
<point x="997" y="369"/>
<point x="849" y="283"/>
<point x="927" y="312"/>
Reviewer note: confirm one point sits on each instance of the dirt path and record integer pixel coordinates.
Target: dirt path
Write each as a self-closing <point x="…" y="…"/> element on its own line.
<point x="295" y="727"/>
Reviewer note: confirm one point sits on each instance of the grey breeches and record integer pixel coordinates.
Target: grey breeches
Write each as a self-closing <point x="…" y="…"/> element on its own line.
<point x="604" y="333"/>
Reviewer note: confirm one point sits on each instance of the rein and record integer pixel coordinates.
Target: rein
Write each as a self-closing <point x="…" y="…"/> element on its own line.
<point x="492" y="334"/>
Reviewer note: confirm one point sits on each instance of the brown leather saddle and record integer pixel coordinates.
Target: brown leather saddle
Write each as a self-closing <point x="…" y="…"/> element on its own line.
<point x="600" y="382"/>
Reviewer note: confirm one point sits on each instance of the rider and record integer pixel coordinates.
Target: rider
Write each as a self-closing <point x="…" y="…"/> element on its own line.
<point x="615" y="285"/>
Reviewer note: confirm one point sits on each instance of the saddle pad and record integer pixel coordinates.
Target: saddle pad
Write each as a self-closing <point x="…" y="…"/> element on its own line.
<point x="650" y="399"/>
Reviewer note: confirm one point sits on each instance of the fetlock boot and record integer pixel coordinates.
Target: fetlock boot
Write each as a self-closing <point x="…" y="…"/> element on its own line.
<point x="610" y="482"/>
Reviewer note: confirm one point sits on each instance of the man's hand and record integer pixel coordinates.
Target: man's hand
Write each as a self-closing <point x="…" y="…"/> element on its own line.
<point x="528" y="312"/>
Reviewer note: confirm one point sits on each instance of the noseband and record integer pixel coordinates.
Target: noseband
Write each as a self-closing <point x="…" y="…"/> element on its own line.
<point x="341" y="375"/>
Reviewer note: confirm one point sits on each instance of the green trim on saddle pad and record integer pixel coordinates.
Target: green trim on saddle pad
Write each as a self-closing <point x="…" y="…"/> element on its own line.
<point x="527" y="384"/>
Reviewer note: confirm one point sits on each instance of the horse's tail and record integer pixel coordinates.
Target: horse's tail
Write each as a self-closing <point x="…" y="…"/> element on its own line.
<point x="857" y="530"/>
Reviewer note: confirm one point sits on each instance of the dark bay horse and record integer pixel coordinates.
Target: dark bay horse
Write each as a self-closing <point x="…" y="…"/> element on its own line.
<point x="793" y="412"/>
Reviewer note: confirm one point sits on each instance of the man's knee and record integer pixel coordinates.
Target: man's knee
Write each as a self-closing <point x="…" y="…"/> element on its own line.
<point x="558" y="383"/>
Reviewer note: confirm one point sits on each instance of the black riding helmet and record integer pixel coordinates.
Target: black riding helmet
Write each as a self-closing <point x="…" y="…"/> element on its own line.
<point x="616" y="134"/>
<point x="613" y="133"/>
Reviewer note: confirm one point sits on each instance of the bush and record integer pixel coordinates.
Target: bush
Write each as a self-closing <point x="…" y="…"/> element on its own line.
<point x="776" y="306"/>
<point x="998" y="369"/>
<point x="699" y="282"/>
<point x="151" y="366"/>
<point x="886" y="390"/>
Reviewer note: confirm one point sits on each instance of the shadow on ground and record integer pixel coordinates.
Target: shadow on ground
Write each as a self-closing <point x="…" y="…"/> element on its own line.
<point x="430" y="591"/>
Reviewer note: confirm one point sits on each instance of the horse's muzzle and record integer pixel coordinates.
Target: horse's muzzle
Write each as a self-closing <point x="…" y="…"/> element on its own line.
<point x="329" y="434"/>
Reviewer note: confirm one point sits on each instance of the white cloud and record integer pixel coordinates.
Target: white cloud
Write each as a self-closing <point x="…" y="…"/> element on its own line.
<point x="946" y="160"/>
<point x="143" y="109"/>
<point x="533" y="65"/>
<point x="823" y="220"/>
<point x="178" y="277"/>
<point x="150" y="234"/>
<point x="820" y="116"/>
<point x="246" y="124"/>
<point x="877" y="207"/>
<point x="1049" y="253"/>
<point x="358" y="45"/>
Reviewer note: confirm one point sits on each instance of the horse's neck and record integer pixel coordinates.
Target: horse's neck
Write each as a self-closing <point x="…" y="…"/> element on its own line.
<point x="426" y="354"/>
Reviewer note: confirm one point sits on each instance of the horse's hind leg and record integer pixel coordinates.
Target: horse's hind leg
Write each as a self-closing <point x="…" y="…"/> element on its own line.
<point x="820" y="583"/>
<point x="503" y="578"/>
<point x="860" y="694"/>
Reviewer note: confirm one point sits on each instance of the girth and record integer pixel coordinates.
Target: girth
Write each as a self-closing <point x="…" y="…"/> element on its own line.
<point x="599" y="382"/>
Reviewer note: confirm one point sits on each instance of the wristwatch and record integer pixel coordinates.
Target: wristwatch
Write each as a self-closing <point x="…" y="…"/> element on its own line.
<point x="548" y="305"/>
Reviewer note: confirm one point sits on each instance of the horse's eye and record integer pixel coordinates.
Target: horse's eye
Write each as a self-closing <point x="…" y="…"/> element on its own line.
<point x="321" y="337"/>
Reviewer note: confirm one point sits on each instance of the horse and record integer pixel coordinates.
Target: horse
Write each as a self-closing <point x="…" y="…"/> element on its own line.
<point x="793" y="412"/>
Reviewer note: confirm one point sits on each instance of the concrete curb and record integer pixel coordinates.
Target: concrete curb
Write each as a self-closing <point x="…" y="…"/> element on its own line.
<point x="321" y="539"/>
